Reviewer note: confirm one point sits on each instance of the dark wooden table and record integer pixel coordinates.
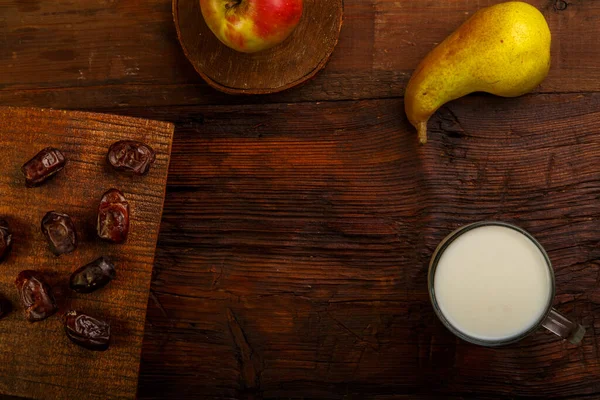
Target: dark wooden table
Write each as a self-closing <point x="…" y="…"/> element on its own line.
<point x="298" y="227"/>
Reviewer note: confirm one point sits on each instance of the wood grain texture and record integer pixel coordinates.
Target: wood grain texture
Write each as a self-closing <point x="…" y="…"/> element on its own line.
<point x="299" y="58"/>
<point x="106" y="54"/>
<point x="295" y="241"/>
<point x="298" y="226"/>
<point x="37" y="360"/>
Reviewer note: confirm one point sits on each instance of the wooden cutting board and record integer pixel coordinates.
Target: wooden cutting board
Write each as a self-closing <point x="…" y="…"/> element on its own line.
<point x="37" y="360"/>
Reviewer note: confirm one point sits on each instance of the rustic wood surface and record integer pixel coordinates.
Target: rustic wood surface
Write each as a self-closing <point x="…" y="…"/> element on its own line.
<point x="37" y="360"/>
<point x="296" y="60"/>
<point x="298" y="226"/>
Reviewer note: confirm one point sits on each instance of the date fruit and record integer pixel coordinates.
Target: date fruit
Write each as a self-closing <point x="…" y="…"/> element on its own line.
<point x="36" y="296"/>
<point x="92" y="276"/>
<point x="131" y="156"/>
<point x="86" y="331"/>
<point x="5" y="307"/>
<point x="42" y="166"/>
<point x="113" y="217"/>
<point x="5" y="239"/>
<point x="60" y="232"/>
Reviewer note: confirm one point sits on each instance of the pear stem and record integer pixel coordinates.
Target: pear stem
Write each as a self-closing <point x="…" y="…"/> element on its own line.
<point x="422" y="130"/>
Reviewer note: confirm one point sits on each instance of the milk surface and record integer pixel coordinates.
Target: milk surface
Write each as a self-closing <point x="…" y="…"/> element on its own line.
<point x="492" y="283"/>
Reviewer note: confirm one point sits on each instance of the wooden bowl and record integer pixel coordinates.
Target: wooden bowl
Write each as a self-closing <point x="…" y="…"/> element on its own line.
<point x="286" y="65"/>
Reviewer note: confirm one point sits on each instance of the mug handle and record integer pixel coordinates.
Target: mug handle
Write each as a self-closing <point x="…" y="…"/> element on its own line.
<point x="560" y="325"/>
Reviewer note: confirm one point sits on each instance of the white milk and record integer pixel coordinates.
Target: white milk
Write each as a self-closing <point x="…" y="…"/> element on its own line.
<point x="492" y="283"/>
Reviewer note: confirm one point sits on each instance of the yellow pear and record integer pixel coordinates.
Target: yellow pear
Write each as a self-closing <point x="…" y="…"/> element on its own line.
<point x="503" y="50"/>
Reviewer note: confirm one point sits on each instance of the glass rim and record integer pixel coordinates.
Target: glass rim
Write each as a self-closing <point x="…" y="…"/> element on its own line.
<point x="431" y="273"/>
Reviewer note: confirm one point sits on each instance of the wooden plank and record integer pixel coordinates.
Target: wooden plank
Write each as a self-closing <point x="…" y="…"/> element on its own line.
<point x="313" y="225"/>
<point x="95" y="54"/>
<point x="37" y="360"/>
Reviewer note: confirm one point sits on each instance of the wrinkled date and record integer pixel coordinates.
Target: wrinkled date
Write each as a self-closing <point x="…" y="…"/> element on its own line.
<point x="42" y="166"/>
<point x="60" y="232"/>
<point x="113" y="217"/>
<point x="5" y="307"/>
<point x="131" y="156"/>
<point x="36" y="296"/>
<point x="5" y="239"/>
<point x="92" y="276"/>
<point x="86" y="331"/>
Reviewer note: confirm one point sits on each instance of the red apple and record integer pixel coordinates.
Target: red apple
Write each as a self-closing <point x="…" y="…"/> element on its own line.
<point x="251" y="25"/>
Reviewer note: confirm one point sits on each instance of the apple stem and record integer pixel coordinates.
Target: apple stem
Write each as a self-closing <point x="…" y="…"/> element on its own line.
<point x="232" y="4"/>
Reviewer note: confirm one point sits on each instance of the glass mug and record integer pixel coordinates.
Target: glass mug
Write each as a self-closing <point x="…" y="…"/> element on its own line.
<point x="491" y="283"/>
